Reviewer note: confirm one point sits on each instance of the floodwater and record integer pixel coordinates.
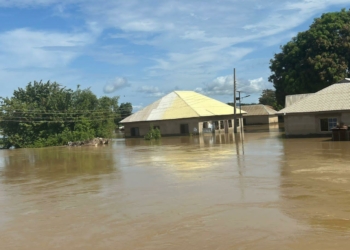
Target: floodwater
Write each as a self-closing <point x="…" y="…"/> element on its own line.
<point x="206" y="192"/>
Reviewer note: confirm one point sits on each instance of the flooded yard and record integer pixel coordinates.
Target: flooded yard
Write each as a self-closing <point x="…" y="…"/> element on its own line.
<point x="199" y="192"/>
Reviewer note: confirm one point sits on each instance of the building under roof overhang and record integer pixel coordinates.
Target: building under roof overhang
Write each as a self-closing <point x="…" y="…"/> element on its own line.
<point x="259" y="114"/>
<point x="182" y="112"/>
<point x="318" y="113"/>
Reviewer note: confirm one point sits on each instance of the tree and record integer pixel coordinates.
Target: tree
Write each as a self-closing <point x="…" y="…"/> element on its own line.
<point x="268" y="97"/>
<point x="125" y="110"/>
<point x="315" y="58"/>
<point x="48" y="114"/>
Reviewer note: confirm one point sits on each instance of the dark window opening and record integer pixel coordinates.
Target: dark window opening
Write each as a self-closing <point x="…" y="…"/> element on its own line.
<point x="184" y="129"/>
<point x="230" y="123"/>
<point x="327" y="124"/>
<point x="216" y="123"/>
<point x="135" y="131"/>
<point x="237" y="122"/>
<point x="221" y="124"/>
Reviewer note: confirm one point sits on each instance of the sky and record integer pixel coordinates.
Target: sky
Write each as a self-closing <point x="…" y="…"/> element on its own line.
<point x="141" y="50"/>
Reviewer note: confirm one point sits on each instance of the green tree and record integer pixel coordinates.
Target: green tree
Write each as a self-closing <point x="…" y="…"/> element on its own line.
<point x="268" y="97"/>
<point x="315" y="58"/>
<point x="48" y="114"/>
<point x="125" y="109"/>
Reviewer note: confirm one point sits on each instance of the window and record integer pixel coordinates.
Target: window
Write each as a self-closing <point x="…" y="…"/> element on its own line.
<point x="327" y="124"/>
<point x="230" y="123"/>
<point x="184" y="129"/>
<point x="135" y="131"/>
<point x="221" y="124"/>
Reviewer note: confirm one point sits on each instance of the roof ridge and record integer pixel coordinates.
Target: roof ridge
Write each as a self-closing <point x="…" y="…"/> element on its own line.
<point x="187" y="102"/>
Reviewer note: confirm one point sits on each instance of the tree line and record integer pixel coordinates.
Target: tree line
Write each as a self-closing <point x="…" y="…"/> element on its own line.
<point x="49" y="114"/>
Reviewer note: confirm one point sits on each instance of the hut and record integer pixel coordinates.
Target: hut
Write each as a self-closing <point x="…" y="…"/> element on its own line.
<point x="182" y="113"/>
<point x="259" y="114"/>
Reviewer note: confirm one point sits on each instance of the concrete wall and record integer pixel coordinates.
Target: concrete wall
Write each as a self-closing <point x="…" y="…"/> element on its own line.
<point x="260" y="119"/>
<point x="256" y="119"/>
<point x="309" y="124"/>
<point x="172" y="127"/>
<point x="273" y="119"/>
<point x="345" y="117"/>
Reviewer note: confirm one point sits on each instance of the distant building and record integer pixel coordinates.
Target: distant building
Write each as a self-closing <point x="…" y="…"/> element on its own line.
<point x="318" y="113"/>
<point x="182" y="113"/>
<point x="259" y="114"/>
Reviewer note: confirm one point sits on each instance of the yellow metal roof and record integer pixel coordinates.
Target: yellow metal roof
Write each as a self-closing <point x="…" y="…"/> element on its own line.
<point x="179" y="105"/>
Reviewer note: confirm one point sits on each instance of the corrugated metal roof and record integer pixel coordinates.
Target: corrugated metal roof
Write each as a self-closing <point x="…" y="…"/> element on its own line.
<point x="335" y="97"/>
<point x="258" y="109"/>
<point x="181" y="104"/>
<point x="291" y="99"/>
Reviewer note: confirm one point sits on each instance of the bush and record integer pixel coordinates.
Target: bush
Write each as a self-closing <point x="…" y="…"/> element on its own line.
<point x="153" y="134"/>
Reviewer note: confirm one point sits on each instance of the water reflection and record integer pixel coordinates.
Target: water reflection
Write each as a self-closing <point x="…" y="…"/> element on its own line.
<point x="271" y="127"/>
<point x="193" y="192"/>
<point x="53" y="163"/>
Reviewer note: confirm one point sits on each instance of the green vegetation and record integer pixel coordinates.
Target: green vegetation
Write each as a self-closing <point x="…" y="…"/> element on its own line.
<point x="315" y="58"/>
<point x="47" y="114"/>
<point x="268" y="97"/>
<point x="125" y="110"/>
<point x="153" y="133"/>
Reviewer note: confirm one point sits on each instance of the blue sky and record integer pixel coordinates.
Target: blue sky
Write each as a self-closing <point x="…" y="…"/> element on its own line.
<point x="141" y="50"/>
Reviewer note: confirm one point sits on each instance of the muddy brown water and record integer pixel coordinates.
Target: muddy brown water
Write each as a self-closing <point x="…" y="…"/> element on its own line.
<point x="206" y="192"/>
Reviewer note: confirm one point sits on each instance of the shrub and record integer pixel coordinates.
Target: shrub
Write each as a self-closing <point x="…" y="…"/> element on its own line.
<point x="153" y="133"/>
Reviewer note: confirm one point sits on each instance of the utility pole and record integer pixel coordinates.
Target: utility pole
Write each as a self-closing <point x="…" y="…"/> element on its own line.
<point x="240" y="111"/>
<point x="234" y="102"/>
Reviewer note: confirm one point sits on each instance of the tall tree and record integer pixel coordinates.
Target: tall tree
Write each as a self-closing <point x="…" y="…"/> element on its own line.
<point x="48" y="114"/>
<point x="315" y="58"/>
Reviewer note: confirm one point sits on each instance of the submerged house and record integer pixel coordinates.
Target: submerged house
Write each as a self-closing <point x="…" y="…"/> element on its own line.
<point x="259" y="114"/>
<point x="182" y="113"/>
<point x="318" y="113"/>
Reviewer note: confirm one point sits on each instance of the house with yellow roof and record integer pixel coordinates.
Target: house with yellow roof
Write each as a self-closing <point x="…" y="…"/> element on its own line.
<point x="183" y="113"/>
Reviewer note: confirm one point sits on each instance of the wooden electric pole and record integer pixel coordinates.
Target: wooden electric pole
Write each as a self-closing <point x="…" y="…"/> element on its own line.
<point x="234" y="102"/>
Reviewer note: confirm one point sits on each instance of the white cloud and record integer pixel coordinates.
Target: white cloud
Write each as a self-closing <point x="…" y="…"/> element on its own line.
<point x="150" y="90"/>
<point x="223" y="85"/>
<point x="117" y="83"/>
<point x="179" y="42"/>
<point x="22" y="48"/>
